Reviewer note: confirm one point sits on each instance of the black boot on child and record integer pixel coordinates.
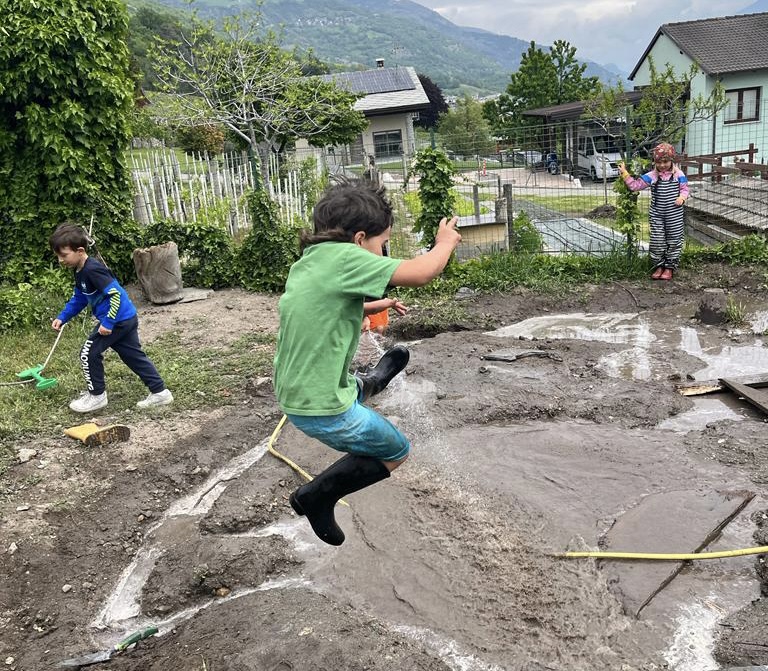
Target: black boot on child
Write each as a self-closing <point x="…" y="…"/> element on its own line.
<point x="317" y="498"/>
<point x="391" y="363"/>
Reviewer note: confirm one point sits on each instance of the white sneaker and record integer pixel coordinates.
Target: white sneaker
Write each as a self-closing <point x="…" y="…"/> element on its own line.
<point x="89" y="402"/>
<point x="160" y="398"/>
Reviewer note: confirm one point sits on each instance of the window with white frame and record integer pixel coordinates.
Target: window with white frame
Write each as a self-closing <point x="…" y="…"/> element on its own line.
<point x="742" y="105"/>
<point x="388" y="144"/>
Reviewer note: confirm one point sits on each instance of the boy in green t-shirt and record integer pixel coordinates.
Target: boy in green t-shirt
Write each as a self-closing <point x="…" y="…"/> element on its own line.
<point x="342" y="263"/>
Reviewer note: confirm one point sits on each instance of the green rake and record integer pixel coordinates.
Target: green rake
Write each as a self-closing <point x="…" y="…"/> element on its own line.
<point x="36" y="372"/>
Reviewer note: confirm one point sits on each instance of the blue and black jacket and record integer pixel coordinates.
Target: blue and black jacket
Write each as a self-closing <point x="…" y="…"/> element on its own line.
<point x="96" y="286"/>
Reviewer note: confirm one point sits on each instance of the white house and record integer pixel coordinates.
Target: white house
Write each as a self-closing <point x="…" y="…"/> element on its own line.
<point x="391" y="99"/>
<point x="730" y="50"/>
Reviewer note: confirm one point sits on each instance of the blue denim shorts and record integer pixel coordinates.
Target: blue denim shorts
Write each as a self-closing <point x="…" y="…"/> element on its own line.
<point x="359" y="430"/>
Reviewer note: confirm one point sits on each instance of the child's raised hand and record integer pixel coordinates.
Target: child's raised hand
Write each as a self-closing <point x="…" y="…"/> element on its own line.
<point x="399" y="307"/>
<point x="447" y="233"/>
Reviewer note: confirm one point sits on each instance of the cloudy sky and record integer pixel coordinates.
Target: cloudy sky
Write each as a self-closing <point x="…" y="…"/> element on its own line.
<point x="604" y="31"/>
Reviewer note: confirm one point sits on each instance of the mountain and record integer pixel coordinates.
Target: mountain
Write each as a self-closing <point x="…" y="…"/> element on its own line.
<point x="755" y="8"/>
<point x="352" y="34"/>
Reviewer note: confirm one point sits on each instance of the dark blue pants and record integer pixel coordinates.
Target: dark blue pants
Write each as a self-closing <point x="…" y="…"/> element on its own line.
<point x="124" y="339"/>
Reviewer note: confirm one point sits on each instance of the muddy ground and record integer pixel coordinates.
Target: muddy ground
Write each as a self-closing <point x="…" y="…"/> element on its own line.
<point x="450" y="564"/>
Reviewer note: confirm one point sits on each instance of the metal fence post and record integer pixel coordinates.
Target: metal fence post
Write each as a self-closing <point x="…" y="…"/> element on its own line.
<point x="511" y="238"/>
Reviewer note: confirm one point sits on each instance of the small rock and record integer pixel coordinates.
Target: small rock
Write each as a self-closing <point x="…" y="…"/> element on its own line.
<point x="12" y="548"/>
<point x="131" y="468"/>
<point x="25" y="454"/>
<point x="66" y="588"/>
<point x="21" y="509"/>
<point x="9" y="661"/>
<point x="713" y="309"/>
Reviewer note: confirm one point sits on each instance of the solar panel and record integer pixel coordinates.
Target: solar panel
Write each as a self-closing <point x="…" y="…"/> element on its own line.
<point x="380" y="80"/>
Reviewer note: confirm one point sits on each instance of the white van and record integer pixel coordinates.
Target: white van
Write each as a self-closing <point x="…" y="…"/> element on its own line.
<point x="598" y="156"/>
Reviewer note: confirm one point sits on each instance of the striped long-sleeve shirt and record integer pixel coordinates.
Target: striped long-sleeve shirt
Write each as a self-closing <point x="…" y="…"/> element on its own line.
<point x="97" y="287"/>
<point x="653" y="176"/>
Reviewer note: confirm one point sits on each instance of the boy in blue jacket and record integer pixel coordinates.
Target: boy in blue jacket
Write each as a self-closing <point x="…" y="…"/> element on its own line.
<point x="118" y="323"/>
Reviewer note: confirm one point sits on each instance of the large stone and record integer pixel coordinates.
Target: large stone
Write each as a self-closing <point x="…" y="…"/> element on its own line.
<point x="713" y="308"/>
<point x="159" y="272"/>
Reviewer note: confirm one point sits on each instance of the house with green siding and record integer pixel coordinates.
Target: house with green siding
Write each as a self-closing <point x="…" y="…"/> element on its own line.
<point x="730" y="50"/>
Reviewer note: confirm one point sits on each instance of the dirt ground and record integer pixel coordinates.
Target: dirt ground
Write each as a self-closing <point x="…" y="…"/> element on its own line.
<point x="451" y="563"/>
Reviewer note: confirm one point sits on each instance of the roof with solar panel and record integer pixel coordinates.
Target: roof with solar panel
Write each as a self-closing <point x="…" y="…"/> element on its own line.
<point x="383" y="89"/>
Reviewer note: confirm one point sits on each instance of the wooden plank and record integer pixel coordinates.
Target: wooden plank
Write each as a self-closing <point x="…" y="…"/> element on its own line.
<point x="710" y="386"/>
<point x="754" y="396"/>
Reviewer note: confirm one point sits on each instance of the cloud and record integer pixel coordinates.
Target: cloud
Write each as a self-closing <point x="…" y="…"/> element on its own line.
<point x="604" y="31"/>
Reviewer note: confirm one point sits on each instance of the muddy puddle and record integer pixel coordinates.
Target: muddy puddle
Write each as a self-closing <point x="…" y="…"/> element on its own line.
<point x="459" y="552"/>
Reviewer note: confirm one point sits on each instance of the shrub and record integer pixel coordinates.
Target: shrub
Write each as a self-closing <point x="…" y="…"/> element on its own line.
<point x="206" y="251"/>
<point x="527" y="237"/>
<point x="201" y="139"/>
<point x="436" y="194"/>
<point x="268" y="249"/>
<point x="34" y="303"/>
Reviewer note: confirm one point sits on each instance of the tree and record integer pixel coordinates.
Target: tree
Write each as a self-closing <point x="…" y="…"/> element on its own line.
<point x="145" y="24"/>
<point x="663" y="113"/>
<point x="242" y="79"/>
<point x="65" y="99"/>
<point x="570" y="83"/>
<point x="543" y="79"/>
<point x="437" y="105"/>
<point x="464" y="131"/>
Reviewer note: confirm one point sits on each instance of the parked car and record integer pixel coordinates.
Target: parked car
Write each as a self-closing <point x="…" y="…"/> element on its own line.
<point x="524" y="157"/>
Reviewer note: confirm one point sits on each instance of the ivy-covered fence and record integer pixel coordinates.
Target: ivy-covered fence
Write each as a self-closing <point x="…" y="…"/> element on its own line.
<point x="65" y="99"/>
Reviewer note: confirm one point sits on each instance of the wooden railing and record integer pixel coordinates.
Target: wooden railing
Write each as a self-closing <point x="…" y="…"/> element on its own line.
<point x="715" y="167"/>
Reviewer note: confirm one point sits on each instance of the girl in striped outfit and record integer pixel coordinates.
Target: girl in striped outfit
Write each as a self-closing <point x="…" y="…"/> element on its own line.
<point x="669" y="190"/>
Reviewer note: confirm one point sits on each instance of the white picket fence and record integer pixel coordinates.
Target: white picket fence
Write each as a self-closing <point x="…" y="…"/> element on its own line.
<point x="205" y="187"/>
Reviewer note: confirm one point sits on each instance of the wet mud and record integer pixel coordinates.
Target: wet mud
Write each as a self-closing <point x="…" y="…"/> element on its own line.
<point x="539" y="425"/>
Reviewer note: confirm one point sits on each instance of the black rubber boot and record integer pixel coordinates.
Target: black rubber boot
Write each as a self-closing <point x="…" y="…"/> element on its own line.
<point x="390" y="364"/>
<point x="317" y="498"/>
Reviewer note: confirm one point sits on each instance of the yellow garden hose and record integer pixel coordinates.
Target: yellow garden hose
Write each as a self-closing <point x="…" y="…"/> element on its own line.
<point x="667" y="557"/>
<point x="285" y="459"/>
<point x="563" y="555"/>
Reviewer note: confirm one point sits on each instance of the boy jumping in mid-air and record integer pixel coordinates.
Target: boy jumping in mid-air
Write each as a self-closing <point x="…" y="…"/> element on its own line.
<point x="341" y="265"/>
<point x="118" y="323"/>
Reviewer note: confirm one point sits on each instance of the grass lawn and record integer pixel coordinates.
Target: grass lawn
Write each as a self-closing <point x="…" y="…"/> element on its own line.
<point x="198" y="377"/>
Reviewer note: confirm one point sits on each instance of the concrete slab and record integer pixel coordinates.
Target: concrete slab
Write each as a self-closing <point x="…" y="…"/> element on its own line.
<point x="672" y="522"/>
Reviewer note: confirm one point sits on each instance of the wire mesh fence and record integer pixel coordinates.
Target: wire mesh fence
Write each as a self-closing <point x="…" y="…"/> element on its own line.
<point x="560" y="176"/>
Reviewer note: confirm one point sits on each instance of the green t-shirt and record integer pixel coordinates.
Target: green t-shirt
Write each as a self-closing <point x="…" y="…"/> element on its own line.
<point x="321" y="313"/>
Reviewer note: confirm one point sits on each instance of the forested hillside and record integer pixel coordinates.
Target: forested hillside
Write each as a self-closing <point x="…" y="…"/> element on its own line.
<point x="354" y="33"/>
